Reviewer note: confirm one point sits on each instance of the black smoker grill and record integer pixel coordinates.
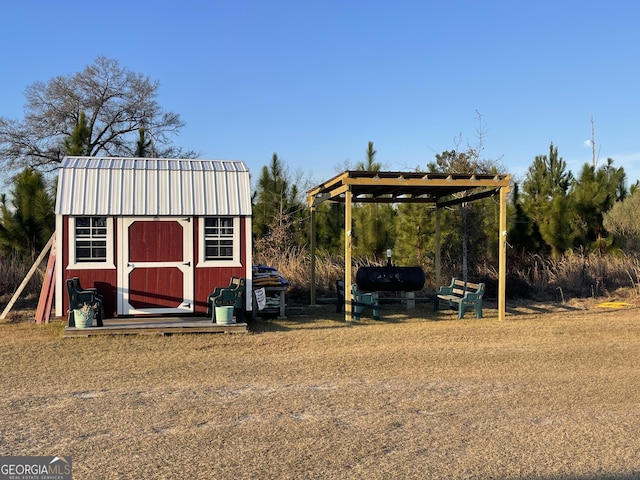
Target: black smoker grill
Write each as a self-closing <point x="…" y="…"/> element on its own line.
<point x="390" y="279"/>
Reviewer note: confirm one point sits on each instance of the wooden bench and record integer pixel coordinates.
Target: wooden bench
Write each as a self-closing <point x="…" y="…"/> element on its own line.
<point x="361" y="300"/>
<point x="461" y="295"/>
<point x="340" y="295"/>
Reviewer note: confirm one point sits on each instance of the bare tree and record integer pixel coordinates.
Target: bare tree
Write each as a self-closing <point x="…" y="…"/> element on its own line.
<point x="117" y="103"/>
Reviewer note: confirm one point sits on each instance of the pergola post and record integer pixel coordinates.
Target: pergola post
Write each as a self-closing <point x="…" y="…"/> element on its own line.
<point x="348" y="307"/>
<point x="312" y="289"/>
<point x="502" y="255"/>
<point x="437" y="252"/>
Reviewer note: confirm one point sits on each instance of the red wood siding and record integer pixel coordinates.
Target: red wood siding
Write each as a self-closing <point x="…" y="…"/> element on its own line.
<point x="151" y="241"/>
<point x="207" y="278"/>
<point x="159" y="287"/>
<point x="104" y="280"/>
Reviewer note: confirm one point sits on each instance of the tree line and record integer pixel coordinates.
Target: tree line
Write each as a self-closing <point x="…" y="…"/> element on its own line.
<point x="552" y="212"/>
<point x="107" y="110"/>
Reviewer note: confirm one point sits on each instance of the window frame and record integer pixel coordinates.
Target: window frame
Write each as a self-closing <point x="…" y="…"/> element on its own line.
<point x="235" y="238"/>
<point x="107" y="263"/>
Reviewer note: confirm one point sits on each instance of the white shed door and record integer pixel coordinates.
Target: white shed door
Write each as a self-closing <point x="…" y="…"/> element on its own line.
<point x="155" y="271"/>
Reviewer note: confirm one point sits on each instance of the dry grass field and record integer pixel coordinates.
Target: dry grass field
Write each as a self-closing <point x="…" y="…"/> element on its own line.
<point x="553" y="392"/>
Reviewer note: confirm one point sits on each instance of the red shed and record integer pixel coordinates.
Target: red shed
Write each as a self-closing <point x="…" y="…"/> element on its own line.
<point x="154" y="236"/>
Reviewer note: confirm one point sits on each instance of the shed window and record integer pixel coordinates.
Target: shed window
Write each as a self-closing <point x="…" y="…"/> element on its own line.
<point x="90" y="242"/>
<point x="219" y="235"/>
<point x="91" y="239"/>
<point x="219" y="242"/>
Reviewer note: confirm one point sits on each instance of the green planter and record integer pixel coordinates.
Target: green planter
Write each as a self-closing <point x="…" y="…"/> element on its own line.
<point x="224" y="314"/>
<point x="83" y="318"/>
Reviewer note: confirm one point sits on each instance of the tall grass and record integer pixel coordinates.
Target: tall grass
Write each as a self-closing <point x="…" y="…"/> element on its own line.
<point x="532" y="276"/>
<point x="576" y="274"/>
<point x="14" y="270"/>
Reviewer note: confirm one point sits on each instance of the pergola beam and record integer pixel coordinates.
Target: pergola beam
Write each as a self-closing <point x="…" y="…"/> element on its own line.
<point x="394" y="200"/>
<point x="469" y="198"/>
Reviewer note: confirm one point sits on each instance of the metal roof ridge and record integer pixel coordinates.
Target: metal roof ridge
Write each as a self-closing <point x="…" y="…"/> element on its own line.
<point x="153" y="163"/>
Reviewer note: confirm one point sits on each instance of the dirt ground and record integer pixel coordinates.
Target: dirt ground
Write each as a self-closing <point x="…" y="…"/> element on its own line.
<point x="553" y="392"/>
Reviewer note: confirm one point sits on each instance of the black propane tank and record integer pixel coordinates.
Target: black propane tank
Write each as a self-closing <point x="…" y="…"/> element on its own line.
<point x="390" y="279"/>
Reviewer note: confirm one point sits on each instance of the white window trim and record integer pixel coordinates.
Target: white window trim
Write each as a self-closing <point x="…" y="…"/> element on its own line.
<point x="109" y="263"/>
<point x="235" y="262"/>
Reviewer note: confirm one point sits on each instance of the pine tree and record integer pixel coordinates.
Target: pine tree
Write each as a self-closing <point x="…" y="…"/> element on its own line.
<point x="271" y="197"/>
<point x="28" y="223"/>
<point x="545" y="200"/>
<point x="593" y="194"/>
<point x="374" y="223"/>
<point x="466" y="230"/>
<point x="415" y="235"/>
<point x="330" y="227"/>
<point x="78" y="142"/>
<point x="142" y="144"/>
<point x="523" y="232"/>
<point x="280" y="219"/>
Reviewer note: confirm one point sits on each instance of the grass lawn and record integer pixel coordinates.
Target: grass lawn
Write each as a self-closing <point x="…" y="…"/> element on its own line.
<point x="553" y="392"/>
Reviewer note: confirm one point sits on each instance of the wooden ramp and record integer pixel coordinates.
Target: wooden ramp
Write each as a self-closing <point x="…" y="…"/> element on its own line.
<point x="156" y="326"/>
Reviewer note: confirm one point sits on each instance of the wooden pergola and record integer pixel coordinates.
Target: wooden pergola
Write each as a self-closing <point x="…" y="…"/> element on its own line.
<point x="439" y="189"/>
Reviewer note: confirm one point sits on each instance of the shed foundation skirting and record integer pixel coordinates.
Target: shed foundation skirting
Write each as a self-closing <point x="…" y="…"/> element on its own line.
<point x="156" y="326"/>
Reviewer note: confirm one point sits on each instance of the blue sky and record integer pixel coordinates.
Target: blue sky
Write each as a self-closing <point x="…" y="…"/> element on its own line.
<point x="314" y="81"/>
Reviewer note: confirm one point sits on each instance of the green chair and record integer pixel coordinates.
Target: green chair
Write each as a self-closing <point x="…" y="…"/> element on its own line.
<point x="233" y="282"/>
<point x="78" y="297"/>
<point x="361" y="300"/>
<point x="233" y="295"/>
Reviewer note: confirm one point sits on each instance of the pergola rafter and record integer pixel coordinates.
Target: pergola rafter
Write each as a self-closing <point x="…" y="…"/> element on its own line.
<point x="440" y="189"/>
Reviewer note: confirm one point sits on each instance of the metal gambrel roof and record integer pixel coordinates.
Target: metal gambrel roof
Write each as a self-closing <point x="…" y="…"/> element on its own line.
<point x="152" y="186"/>
<point x="408" y="187"/>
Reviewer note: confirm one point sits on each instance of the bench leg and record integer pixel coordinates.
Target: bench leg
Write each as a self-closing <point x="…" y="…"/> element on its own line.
<point x="358" y="309"/>
<point x="476" y="306"/>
